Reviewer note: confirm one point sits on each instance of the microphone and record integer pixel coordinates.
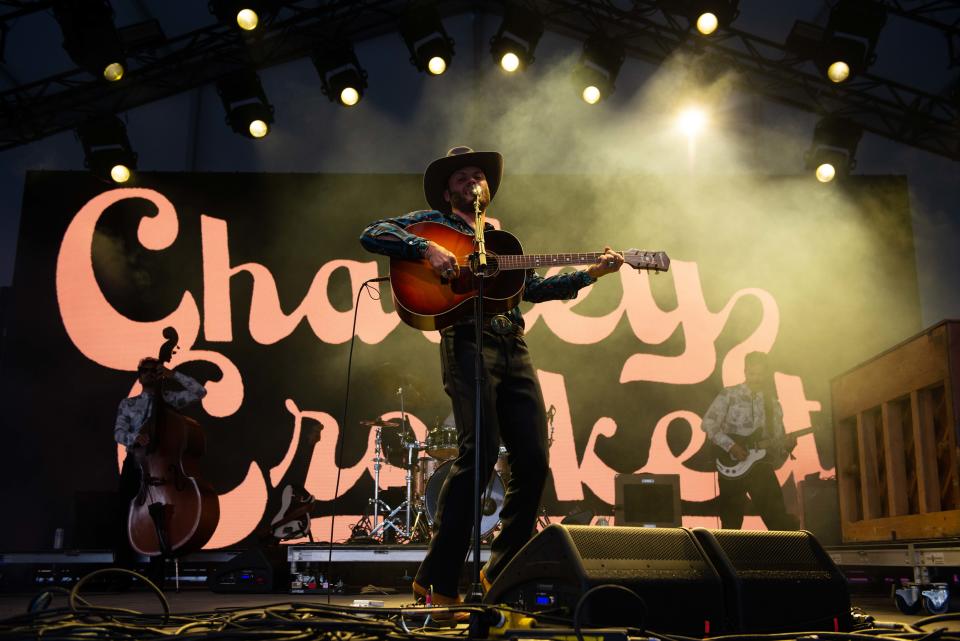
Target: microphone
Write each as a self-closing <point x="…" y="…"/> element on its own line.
<point x="551" y="412"/>
<point x="476" y="190"/>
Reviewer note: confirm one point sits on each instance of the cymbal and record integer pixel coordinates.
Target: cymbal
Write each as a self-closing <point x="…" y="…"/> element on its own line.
<point x="381" y="423"/>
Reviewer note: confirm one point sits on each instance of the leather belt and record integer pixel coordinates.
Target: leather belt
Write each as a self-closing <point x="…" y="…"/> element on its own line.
<point x="501" y="325"/>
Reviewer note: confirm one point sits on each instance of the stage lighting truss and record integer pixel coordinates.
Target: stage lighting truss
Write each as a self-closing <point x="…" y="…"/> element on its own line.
<point x="90" y="37"/>
<point x="833" y="153"/>
<point x="705" y="15"/>
<point x="431" y="49"/>
<point x="846" y="47"/>
<point x="342" y="78"/>
<point x="246" y="15"/>
<point x="248" y="111"/>
<point x="596" y="73"/>
<point x="513" y="45"/>
<point x="106" y="149"/>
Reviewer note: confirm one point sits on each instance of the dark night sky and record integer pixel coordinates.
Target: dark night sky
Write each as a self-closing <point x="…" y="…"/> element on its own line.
<point x="406" y="119"/>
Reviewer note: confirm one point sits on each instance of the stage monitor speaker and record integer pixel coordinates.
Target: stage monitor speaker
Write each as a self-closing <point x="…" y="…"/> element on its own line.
<point x="777" y="581"/>
<point x="647" y="500"/>
<point x="680" y="590"/>
<point x="255" y="570"/>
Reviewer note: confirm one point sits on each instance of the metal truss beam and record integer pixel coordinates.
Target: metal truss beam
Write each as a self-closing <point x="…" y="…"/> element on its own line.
<point x="886" y="108"/>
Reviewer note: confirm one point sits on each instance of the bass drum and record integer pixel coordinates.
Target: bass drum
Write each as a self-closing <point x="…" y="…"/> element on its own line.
<point x="491" y="501"/>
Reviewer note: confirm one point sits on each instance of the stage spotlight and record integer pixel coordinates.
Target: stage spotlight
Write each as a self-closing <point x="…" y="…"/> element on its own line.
<point x="833" y="153"/>
<point x="706" y="15"/>
<point x="513" y="45"/>
<point x="846" y="47"/>
<point x="341" y="76"/>
<point x="431" y="49"/>
<point x="106" y="149"/>
<point x="90" y="37"/>
<point x="707" y="23"/>
<point x="245" y="14"/>
<point x="691" y="121"/>
<point x="596" y="72"/>
<point x="851" y="38"/>
<point x="248" y="111"/>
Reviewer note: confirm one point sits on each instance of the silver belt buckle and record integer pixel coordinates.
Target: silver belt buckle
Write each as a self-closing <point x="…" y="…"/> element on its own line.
<point x="501" y="325"/>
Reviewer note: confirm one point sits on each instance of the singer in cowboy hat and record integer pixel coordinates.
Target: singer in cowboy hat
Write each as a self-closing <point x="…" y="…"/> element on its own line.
<point x="513" y="405"/>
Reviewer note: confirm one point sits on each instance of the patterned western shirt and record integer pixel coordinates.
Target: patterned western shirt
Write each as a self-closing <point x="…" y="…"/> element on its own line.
<point x="135" y="411"/>
<point x="390" y="238"/>
<point x="739" y="411"/>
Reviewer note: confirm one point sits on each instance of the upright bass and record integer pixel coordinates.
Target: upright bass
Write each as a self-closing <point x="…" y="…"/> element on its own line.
<point x="175" y="510"/>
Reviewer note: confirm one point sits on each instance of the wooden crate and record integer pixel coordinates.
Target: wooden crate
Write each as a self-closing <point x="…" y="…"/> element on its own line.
<point x="895" y="432"/>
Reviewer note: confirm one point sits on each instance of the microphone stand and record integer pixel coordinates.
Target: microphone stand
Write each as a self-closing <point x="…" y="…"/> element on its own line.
<point x="478" y="266"/>
<point x="405" y="441"/>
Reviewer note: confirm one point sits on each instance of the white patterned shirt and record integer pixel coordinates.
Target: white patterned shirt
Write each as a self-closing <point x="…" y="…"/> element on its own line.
<point x="739" y="411"/>
<point x="134" y="412"/>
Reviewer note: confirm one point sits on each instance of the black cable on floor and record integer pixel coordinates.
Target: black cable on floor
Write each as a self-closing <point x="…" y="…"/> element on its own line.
<point x="338" y="460"/>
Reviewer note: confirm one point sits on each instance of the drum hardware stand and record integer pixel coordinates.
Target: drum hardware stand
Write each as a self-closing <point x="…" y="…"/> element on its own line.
<point x="543" y="519"/>
<point x="410" y="445"/>
<point x="389" y="521"/>
<point x="379" y="528"/>
<point x="377" y="463"/>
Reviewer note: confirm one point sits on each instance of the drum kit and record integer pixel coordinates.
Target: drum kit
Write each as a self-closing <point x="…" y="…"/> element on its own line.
<point x="427" y="464"/>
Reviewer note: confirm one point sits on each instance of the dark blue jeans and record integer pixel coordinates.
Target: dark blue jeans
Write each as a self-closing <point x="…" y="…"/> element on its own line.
<point x="512" y="411"/>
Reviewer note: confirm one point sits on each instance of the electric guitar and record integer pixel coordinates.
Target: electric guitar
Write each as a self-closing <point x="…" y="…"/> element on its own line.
<point x="773" y="449"/>
<point x="426" y="301"/>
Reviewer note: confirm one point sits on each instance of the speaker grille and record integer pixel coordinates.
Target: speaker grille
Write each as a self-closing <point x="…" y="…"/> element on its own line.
<point x="760" y="550"/>
<point x="630" y="543"/>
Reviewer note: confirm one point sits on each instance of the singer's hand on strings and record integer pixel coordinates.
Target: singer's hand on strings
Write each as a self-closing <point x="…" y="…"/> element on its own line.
<point x="443" y="262"/>
<point x="607" y="263"/>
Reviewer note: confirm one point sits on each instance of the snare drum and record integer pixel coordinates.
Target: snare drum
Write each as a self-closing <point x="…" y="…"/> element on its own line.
<point x="422" y="473"/>
<point x="442" y="442"/>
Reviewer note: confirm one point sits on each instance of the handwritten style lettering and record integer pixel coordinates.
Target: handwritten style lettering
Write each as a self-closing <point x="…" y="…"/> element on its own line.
<point x="113" y="340"/>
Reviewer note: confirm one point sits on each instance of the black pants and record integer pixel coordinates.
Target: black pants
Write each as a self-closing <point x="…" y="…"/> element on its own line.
<point x="513" y="411"/>
<point x="761" y="483"/>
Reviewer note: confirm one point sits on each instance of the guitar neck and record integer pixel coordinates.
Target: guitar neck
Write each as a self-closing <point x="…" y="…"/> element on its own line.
<point x="776" y="439"/>
<point x="533" y="261"/>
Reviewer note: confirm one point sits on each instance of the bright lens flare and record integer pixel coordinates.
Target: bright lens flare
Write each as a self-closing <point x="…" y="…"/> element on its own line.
<point x="826" y="172"/>
<point x="247" y="19"/>
<point x="120" y="173"/>
<point x="437" y="65"/>
<point x="349" y="96"/>
<point x="510" y="62"/>
<point x="692" y="121"/>
<point x="838" y="71"/>
<point x="707" y="23"/>
<point x="591" y="95"/>
<point x="113" y="71"/>
<point x="258" y="129"/>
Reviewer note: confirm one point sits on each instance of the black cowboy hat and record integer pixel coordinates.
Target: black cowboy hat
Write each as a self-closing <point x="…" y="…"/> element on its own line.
<point x="437" y="175"/>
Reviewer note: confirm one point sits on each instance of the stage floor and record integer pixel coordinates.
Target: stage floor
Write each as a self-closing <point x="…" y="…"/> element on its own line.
<point x="202" y="600"/>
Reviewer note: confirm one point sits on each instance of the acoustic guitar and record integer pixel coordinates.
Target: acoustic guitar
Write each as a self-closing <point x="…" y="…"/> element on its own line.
<point x="426" y="301"/>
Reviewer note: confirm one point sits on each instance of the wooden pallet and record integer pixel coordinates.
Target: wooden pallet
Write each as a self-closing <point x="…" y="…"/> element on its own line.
<point x="895" y="428"/>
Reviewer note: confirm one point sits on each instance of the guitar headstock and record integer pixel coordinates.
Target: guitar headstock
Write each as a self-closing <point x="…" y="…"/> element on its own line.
<point x="653" y="261"/>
